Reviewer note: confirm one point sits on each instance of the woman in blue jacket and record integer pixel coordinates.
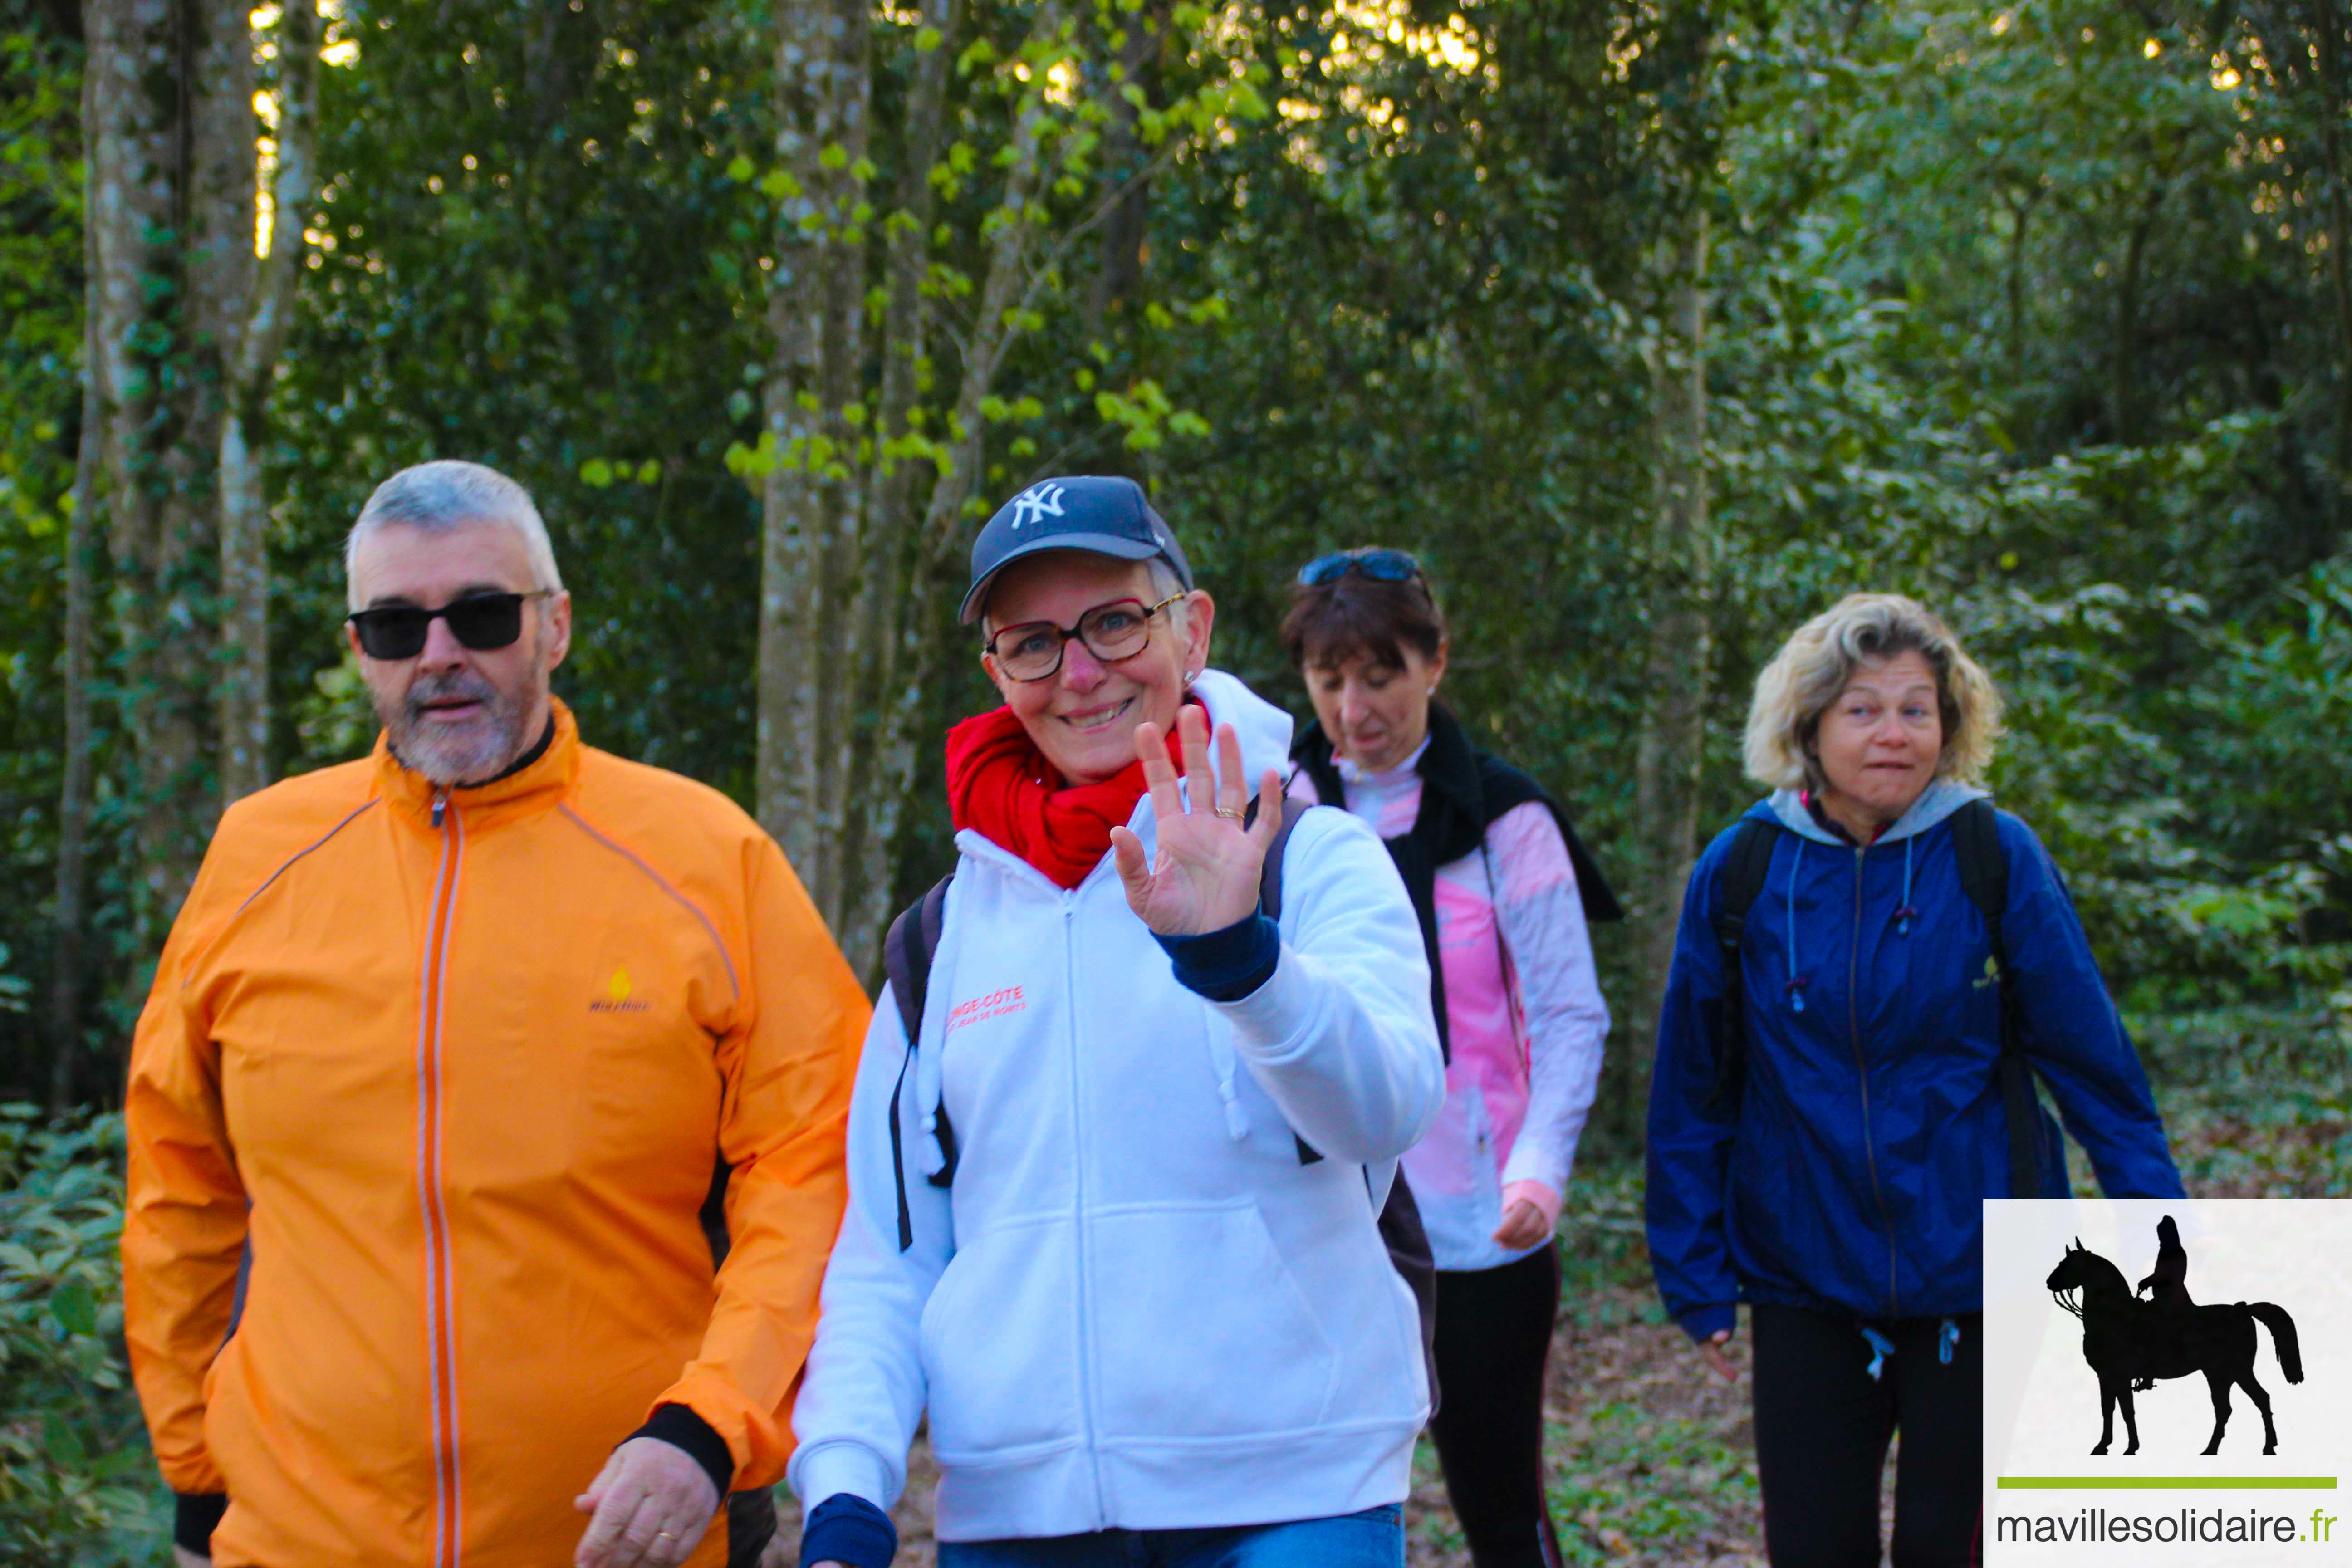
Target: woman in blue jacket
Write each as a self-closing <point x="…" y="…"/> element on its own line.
<point x="1827" y="1110"/>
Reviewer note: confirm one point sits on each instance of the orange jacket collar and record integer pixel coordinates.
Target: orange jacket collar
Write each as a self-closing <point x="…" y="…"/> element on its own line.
<point x="537" y="788"/>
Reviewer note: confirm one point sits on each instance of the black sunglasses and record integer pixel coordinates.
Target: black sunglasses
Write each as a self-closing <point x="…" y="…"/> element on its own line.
<point x="1380" y="565"/>
<point x="479" y="621"/>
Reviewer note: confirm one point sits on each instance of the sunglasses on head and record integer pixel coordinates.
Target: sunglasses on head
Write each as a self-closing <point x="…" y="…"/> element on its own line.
<point x="478" y="621"/>
<point x="1380" y="565"/>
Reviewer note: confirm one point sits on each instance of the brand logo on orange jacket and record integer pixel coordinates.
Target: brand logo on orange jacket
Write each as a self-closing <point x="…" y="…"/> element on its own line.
<point x="617" y="997"/>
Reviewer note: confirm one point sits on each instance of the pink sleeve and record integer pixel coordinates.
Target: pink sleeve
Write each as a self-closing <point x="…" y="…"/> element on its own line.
<point x="1541" y="912"/>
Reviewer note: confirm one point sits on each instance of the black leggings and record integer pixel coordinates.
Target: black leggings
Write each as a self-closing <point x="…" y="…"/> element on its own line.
<point x="1821" y="1429"/>
<point x="1493" y="1329"/>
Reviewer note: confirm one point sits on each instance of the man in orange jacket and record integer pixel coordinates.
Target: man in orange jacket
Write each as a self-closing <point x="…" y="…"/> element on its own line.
<point x="486" y="1117"/>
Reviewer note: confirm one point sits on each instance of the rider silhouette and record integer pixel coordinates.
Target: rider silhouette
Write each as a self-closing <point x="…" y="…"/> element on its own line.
<point x="2169" y="1279"/>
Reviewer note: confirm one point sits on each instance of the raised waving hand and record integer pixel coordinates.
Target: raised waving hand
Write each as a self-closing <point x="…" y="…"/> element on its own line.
<point x="1205" y="876"/>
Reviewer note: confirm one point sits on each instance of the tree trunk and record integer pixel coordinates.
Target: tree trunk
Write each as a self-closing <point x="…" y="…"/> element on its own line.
<point x="848" y="593"/>
<point x="170" y="138"/>
<point x="912" y="652"/>
<point x="1121" y="269"/>
<point x="841" y="495"/>
<point x="244" y="508"/>
<point x="1676" y="669"/>
<point x="869" y="857"/>
<point x="2329" y="23"/>
<point x="821" y="91"/>
<point x="74" y="792"/>
<point x="2020" y="214"/>
<point x="2126" y="393"/>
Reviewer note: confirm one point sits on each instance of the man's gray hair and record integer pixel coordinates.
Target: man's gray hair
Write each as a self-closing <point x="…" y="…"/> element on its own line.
<point x="449" y="494"/>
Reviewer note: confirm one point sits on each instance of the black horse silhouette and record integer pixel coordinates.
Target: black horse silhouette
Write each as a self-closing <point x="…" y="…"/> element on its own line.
<point x="2125" y="1339"/>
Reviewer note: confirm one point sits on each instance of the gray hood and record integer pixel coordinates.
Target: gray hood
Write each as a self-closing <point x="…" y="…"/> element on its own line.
<point x="1938" y="801"/>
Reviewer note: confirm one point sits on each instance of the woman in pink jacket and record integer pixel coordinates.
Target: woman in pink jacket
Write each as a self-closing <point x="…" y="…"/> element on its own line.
<point x="1503" y="890"/>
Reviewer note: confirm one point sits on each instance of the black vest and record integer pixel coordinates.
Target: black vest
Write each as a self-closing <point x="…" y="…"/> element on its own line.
<point x="1462" y="791"/>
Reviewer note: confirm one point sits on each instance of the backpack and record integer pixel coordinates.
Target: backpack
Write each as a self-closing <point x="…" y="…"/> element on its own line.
<point x="1984" y="878"/>
<point x="912" y="943"/>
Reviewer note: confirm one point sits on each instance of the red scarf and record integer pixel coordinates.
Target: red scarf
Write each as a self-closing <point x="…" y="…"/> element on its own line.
<point x="999" y="783"/>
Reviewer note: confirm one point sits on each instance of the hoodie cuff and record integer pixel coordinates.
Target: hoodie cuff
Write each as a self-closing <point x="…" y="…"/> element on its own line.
<point x="682" y="1429"/>
<point x="1703" y="1323"/>
<point x="194" y="1517"/>
<point x="1227" y="965"/>
<point x="847" y="1528"/>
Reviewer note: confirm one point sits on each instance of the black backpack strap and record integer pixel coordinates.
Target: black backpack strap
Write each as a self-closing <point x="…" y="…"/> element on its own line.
<point x="1270" y="873"/>
<point x="1269" y="899"/>
<point x="1399" y="1219"/>
<point x="1738" y="883"/>
<point x="912" y="941"/>
<point x="1407" y="1240"/>
<point x="1984" y="877"/>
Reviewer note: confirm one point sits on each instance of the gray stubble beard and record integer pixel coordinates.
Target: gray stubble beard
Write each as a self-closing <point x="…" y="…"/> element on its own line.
<point x="494" y="745"/>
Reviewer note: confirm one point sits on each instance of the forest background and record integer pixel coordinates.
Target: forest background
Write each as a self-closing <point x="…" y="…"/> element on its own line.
<point x="1651" y="326"/>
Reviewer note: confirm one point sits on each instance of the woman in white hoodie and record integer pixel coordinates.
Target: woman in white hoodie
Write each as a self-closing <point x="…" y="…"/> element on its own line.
<point x="1112" y="1209"/>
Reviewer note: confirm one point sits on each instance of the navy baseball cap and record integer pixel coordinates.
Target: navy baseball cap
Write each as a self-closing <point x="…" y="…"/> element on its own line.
<point x="1094" y="513"/>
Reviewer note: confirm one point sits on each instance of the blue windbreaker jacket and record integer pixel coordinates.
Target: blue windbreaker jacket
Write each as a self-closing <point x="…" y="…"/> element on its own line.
<point x="1871" y="1125"/>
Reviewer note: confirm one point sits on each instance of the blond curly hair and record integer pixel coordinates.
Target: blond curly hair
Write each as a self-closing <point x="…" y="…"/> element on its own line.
<point x="1819" y="659"/>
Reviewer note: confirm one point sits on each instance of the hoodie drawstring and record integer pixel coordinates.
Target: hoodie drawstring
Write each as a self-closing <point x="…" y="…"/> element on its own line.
<point x="1946" y="1338"/>
<point x="929" y="1089"/>
<point x="1795" y="988"/>
<point x="1903" y="916"/>
<point x="1228" y="1066"/>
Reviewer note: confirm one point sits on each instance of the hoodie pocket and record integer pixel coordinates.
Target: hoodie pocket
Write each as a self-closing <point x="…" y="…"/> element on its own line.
<point x="1000" y="1349"/>
<point x="1203" y="1331"/>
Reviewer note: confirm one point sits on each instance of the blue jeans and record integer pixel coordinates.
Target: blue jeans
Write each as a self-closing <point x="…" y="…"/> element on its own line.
<point x="1372" y="1539"/>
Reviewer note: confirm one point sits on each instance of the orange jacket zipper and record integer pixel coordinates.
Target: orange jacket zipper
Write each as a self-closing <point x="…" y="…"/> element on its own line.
<point x="440" y="1296"/>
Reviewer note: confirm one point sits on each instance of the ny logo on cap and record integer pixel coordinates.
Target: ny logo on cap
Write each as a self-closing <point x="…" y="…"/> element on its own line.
<point x="1036" y="503"/>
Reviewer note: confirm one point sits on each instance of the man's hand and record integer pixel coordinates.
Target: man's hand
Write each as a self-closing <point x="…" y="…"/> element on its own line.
<point x="183" y="1557"/>
<point x="1523" y="1225"/>
<point x="1207" y="878"/>
<point x="1712" y="1349"/>
<point x="650" y="1505"/>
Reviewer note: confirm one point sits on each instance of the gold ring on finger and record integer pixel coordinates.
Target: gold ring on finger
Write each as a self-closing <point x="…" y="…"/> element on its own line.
<point x="1227" y="811"/>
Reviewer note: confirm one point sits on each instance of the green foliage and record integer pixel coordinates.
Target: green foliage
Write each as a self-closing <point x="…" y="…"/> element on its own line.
<point x="78" y="1486"/>
<point x="2027" y="310"/>
<point x="40" y="420"/>
<point x="537" y="253"/>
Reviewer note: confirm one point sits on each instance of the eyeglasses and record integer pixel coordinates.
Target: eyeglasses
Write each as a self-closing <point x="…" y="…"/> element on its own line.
<point x="1118" y="630"/>
<point x="1380" y="565"/>
<point x="479" y="621"/>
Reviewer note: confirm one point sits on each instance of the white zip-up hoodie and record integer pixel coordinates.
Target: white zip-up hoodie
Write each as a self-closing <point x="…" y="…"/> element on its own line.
<point x="1136" y="1308"/>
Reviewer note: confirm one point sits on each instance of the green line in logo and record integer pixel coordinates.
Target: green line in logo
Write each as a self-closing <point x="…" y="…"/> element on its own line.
<point x="2167" y="1483"/>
